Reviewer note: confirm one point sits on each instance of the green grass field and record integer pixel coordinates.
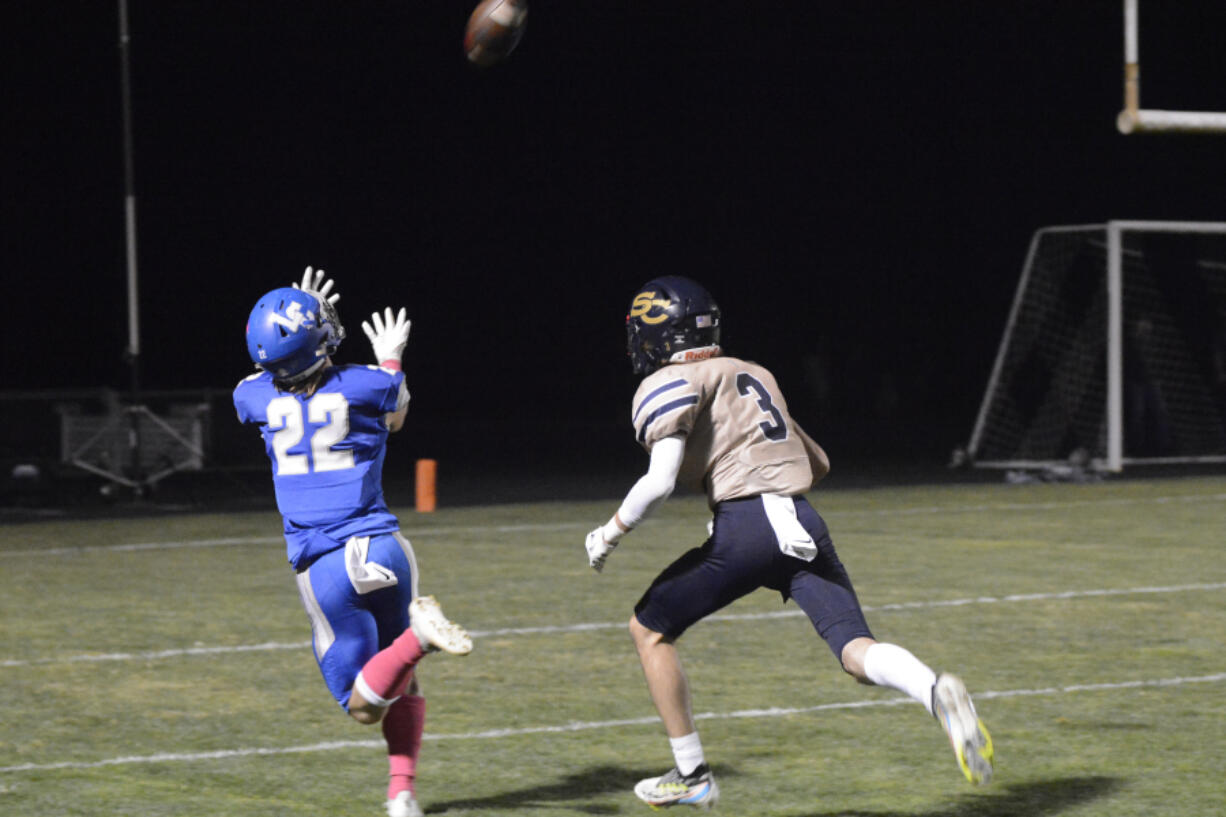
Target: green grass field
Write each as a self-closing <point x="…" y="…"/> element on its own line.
<point x="159" y="666"/>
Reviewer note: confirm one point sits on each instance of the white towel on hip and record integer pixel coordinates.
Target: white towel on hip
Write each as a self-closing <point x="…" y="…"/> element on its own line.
<point x="793" y="539"/>
<point x="365" y="576"/>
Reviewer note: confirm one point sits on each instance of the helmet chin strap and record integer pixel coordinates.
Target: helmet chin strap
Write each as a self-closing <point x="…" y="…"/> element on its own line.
<point x="697" y="353"/>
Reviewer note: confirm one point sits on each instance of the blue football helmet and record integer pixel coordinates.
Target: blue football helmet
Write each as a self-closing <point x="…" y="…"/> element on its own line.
<point x="291" y="332"/>
<point x="671" y="320"/>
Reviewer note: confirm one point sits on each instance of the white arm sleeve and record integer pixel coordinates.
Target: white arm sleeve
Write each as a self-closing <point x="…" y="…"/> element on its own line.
<point x="657" y="484"/>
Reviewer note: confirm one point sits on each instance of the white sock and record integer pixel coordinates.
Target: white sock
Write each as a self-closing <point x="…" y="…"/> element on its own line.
<point x="687" y="752"/>
<point x="889" y="665"/>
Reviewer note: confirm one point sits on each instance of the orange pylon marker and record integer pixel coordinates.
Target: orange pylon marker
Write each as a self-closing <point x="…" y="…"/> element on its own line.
<point x="427" y="471"/>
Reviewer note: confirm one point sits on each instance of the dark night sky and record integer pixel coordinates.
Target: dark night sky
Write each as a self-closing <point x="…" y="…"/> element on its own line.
<point x="855" y="182"/>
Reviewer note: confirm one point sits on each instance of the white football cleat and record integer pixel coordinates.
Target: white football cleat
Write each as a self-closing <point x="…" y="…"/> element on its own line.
<point x="696" y="789"/>
<point x="434" y="631"/>
<point x="951" y="704"/>
<point x="403" y="805"/>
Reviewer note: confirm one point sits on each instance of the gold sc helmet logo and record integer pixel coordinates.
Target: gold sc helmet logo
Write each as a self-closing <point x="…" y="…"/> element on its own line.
<point x="644" y="302"/>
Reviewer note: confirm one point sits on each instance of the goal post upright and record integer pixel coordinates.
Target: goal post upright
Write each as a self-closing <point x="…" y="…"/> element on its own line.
<point x="1134" y="119"/>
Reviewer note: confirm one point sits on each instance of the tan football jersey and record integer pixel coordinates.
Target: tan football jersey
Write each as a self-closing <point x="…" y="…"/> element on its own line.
<point x="740" y="439"/>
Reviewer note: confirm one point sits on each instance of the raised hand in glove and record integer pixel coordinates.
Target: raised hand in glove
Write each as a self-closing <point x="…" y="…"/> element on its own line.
<point x="388" y="335"/>
<point x="598" y="549"/>
<point x="317" y="283"/>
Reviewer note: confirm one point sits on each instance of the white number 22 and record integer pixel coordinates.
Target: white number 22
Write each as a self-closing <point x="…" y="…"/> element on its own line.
<point x="287" y="423"/>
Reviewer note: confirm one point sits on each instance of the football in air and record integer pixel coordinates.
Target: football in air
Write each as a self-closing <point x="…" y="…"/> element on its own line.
<point x="494" y="29"/>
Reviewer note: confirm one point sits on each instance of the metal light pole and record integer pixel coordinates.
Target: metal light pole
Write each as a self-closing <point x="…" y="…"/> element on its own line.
<point x="173" y="434"/>
<point x="129" y="199"/>
<point x="129" y="212"/>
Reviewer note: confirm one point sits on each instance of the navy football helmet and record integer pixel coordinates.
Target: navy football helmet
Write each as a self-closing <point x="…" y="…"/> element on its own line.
<point x="291" y="332"/>
<point x="672" y="319"/>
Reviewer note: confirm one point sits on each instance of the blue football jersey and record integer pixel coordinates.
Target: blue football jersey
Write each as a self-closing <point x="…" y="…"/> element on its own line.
<point x="327" y="453"/>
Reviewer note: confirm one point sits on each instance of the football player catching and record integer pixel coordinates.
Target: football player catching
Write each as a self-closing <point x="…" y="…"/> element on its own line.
<point x="702" y="415"/>
<point x="325" y="428"/>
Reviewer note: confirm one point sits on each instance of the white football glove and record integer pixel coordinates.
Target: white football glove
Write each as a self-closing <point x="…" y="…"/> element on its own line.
<point x="388" y="334"/>
<point x="598" y="549"/>
<point x="315" y="282"/>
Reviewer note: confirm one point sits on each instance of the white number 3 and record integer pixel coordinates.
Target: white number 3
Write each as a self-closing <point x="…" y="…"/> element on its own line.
<point x="286" y="422"/>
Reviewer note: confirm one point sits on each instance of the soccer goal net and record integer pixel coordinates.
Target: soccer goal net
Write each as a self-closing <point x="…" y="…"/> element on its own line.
<point x="1114" y="352"/>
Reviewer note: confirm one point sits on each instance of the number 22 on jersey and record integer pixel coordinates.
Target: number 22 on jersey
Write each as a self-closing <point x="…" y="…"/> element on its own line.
<point x="287" y="422"/>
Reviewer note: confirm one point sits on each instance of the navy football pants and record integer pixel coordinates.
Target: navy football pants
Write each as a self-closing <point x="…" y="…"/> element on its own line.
<point x="742" y="555"/>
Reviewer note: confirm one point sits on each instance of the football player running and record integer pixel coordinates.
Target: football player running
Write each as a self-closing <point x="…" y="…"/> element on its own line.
<point x="703" y="415"/>
<point x="325" y="428"/>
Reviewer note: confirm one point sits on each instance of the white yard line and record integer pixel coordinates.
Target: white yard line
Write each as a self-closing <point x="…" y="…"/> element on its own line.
<point x="584" y="726"/>
<point x="1039" y="506"/>
<point x="553" y="629"/>
<point x="271" y="540"/>
<point x="411" y="531"/>
<point x="154" y="655"/>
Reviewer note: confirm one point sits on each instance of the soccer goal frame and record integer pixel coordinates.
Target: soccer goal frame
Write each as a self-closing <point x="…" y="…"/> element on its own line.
<point x="1110" y="455"/>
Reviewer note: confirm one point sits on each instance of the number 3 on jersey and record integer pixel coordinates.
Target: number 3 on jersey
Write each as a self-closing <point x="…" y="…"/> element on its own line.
<point x="286" y="421"/>
<point x="776" y="429"/>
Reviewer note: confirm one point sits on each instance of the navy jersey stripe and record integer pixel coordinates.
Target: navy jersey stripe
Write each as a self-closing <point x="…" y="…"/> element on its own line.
<point x="680" y="402"/>
<point x="672" y="384"/>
